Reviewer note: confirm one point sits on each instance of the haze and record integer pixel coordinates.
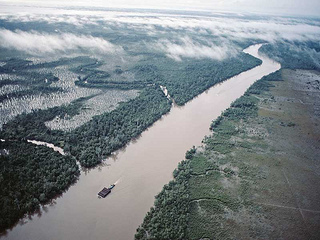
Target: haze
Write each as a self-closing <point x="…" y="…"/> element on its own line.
<point x="284" y="7"/>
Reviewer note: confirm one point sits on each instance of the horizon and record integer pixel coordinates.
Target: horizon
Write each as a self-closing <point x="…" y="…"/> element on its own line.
<point x="308" y="9"/>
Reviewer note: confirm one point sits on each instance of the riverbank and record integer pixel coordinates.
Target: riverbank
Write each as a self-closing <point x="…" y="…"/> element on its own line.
<point x="31" y="175"/>
<point x="256" y="176"/>
<point x="158" y="150"/>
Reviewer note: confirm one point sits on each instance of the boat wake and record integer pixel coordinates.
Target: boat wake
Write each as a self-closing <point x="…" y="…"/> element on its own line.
<point x="116" y="182"/>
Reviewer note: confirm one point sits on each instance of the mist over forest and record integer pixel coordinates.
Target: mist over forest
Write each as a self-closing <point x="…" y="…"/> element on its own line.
<point x="118" y="39"/>
<point x="89" y="80"/>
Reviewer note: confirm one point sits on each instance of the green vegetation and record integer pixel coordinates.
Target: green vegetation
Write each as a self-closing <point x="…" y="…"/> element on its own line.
<point x="32" y="125"/>
<point x="29" y="176"/>
<point x="111" y="131"/>
<point x="94" y="78"/>
<point x="186" y="79"/>
<point x="35" y="90"/>
<point x="96" y="139"/>
<point x="123" y="85"/>
<point x="295" y="55"/>
<point x="181" y="210"/>
<point x="199" y="180"/>
<point x="168" y="219"/>
<point x="22" y="190"/>
<point x="37" y="83"/>
<point x="19" y="67"/>
<point x="93" y="141"/>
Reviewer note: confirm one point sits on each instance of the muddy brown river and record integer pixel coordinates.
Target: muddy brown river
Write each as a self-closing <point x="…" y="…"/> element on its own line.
<point x="139" y="171"/>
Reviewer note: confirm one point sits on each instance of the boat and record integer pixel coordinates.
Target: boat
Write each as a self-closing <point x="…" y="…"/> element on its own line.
<point x="106" y="191"/>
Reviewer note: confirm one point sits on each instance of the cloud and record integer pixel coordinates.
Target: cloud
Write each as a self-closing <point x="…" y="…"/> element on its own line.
<point x="237" y="28"/>
<point x="306" y="7"/>
<point x="304" y="52"/>
<point x="36" y="43"/>
<point x="268" y="29"/>
<point x="240" y="27"/>
<point x="159" y="24"/>
<point x="190" y="49"/>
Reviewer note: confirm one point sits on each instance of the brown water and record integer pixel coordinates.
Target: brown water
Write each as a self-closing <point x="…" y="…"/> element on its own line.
<point x="140" y="170"/>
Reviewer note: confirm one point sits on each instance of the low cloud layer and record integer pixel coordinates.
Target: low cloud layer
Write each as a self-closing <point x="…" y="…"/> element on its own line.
<point x="164" y="25"/>
<point x="36" y="43"/>
<point x="271" y="29"/>
<point x="231" y="25"/>
<point x="306" y="7"/>
<point x="191" y="49"/>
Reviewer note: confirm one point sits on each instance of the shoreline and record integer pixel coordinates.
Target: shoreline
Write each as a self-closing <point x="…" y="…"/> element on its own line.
<point x="249" y="178"/>
<point x="152" y="150"/>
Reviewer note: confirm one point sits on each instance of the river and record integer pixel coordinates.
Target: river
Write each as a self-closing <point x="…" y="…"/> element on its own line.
<point x="140" y="170"/>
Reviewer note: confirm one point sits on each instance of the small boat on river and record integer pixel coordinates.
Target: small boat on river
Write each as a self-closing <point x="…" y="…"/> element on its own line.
<point x="106" y="191"/>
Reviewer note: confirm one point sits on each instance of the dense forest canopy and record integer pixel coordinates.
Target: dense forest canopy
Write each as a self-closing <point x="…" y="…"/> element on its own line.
<point x="196" y="183"/>
<point x="102" y="73"/>
<point x="31" y="175"/>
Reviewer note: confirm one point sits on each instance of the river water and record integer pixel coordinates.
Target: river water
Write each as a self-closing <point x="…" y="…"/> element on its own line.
<point x="139" y="171"/>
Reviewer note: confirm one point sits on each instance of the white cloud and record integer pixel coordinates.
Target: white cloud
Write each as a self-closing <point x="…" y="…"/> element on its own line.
<point x="43" y="43"/>
<point x="236" y="28"/>
<point x="216" y="26"/>
<point x="191" y="49"/>
<point x="267" y="28"/>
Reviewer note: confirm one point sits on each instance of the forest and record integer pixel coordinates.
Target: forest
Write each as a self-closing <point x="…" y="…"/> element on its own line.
<point x="22" y="191"/>
<point x="98" y="138"/>
<point x="105" y="133"/>
<point x="185" y="80"/>
<point x="33" y="82"/>
<point x="98" y="56"/>
<point x="197" y="177"/>
<point x="31" y="175"/>
<point x="95" y="140"/>
<point x="295" y="54"/>
<point x="108" y="132"/>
